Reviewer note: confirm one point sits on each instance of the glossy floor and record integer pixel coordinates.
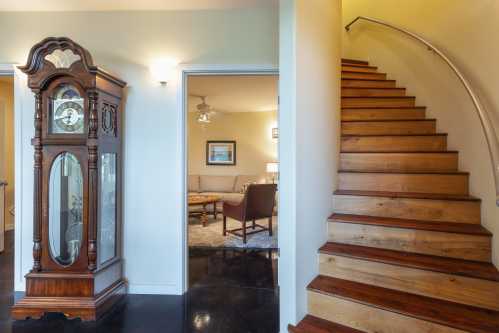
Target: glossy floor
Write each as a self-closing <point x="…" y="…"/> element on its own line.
<point x="231" y="291"/>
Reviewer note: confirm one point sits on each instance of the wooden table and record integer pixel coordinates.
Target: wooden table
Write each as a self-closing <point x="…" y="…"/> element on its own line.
<point x="203" y="200"/>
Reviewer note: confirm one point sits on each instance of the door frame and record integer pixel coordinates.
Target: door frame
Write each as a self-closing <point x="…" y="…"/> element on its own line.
<point x="184" y="72"/>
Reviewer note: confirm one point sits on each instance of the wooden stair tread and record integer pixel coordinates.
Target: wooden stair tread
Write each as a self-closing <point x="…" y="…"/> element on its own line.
<point x="351" y="64"/>
<point x="403" y="152"/>
<point x="387" y="120"/>
<point x="361" y="79"/>
<point x="408" y="195"/>
<point x="383" y="107"/>
<point x="371" y="88"/>
<point x="408" y="172"/>
<point x="467" y="268"/>
<point x="395" y="135"/>
<point x="464" y="317"/>
<point x="312" y="324"/>
<point x="381" y="97"/>
<point x="447" y="227"/>
<point x="354" y="61"/>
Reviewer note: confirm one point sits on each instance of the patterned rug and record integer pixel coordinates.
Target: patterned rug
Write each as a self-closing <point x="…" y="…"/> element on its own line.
<point x="211" y="235"/>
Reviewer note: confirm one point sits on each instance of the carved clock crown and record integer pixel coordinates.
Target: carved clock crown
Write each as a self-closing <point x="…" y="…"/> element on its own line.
<point x="54" y="56"/>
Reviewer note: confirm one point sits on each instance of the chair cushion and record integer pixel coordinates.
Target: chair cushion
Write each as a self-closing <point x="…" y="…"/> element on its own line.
<point x="217" y="183"/>
<point x="193" y="183"/>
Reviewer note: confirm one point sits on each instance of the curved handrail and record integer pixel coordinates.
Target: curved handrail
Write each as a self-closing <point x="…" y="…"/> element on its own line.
<point x="483" y="115"/>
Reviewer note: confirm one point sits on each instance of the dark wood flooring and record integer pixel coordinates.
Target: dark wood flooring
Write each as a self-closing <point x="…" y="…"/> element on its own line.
<point x="231" y="291"/>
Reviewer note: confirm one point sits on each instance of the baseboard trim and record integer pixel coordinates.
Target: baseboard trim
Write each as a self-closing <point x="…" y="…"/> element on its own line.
<point x="154" y="289"/>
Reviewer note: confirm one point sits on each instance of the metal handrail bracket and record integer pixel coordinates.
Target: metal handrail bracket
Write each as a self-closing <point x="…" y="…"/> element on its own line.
<point x="483" y="115"/>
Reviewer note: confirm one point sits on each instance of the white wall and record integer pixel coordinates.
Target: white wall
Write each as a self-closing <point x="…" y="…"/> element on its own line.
<point x="309" y="118"/>
<point x="125" y="43"/>
<point x="252" y="132"/>
<point x="465" y="31"/>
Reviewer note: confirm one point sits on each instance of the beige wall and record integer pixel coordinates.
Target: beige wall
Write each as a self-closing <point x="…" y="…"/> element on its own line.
<point x="251" y="130"/>
<point x="467" y="32"/>
<point x="310" y="52"/>
<point x="7" y="150"/>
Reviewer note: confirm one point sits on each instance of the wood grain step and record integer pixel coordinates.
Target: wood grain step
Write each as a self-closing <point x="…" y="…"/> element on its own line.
<point x="357" y="75"/>
<point x="389" y="127"/>
<point x="464" y="290"/>
<point x="367" y="83"/>
<point x="354" y="61"/>
<point x="440" y="183"/>
<point x="450" y="266"/>
<point x="359" y="69"/>
<point x="448" y="227"/>
<point x="394" y="143"/>
<point x="414" y="240"/>
<point x="416" y="206"/>
<point x="383" y="114"/>
<point x="400" y="162"/>
<point x="365" y="102"/>
<point x="378" y="309"/>
<point x="311" y="324"/>
<point x="372" y="92"/>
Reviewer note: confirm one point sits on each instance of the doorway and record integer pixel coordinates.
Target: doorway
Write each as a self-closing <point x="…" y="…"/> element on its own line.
<point x="231" y="167"/>
<point x="6" y="190"/>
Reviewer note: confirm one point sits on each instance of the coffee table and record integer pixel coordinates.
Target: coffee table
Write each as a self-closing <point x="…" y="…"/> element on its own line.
<point x="203" y="200"/>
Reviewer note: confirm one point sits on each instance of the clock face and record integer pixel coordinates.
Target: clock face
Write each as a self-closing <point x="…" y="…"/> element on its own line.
<point x="67" y="115"/>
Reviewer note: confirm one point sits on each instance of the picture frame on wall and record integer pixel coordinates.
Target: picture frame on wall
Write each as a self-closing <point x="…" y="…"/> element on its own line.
<point x="220" y="152"/>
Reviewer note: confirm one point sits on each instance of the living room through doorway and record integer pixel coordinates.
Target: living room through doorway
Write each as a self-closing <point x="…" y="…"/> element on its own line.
<point x="232" y="200"/>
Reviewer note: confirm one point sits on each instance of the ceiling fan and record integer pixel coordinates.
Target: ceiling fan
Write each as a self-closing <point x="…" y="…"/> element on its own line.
<point x="205" y="111"/>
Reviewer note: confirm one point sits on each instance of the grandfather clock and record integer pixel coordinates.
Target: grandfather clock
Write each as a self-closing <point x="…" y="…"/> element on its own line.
<point x="77" y="266"/>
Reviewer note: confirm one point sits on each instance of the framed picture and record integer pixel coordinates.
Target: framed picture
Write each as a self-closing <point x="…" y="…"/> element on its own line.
<point x="220" y="152"/>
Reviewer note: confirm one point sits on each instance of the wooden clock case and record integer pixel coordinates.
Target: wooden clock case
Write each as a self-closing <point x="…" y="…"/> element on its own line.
<point x="89" y="286"/>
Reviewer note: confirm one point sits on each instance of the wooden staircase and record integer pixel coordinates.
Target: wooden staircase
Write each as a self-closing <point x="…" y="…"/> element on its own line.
<point x="406" y="251"/>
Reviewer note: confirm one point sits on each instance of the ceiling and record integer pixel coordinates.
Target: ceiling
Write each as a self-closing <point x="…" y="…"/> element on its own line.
<point x="235" y="93"/>
<point x="111" y="5"/>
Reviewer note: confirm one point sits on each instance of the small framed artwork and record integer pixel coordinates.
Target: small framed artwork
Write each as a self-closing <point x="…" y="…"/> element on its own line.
<point x="220" y="152"/>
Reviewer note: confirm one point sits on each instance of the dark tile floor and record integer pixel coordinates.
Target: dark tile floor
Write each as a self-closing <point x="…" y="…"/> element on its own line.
<point x="231" y="291"/>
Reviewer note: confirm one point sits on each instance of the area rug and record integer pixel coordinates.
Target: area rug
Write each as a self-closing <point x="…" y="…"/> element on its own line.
<point x="211" y="235"/>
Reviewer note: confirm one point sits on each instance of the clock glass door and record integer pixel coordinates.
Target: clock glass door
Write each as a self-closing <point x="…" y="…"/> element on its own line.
<point x="65" y="209"/>
<point x="108" y="207"/>
<point x="67" y="111"/>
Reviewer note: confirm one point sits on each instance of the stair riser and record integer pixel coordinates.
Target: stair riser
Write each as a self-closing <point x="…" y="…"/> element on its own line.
<point x="367" y="318"/>
<point x="475" y="292"/>
<point x="388" y="127"/>
<point x="399" y="162"/>
<point x="346" y="92"/>
<point x="360" y="69"/>
<point x="365" y="102"/>
<point x="383" y="114"/>
<point x="352" y="83"/>
<point x="369" y="76"/>
<point x="462" y="246"/>
<point x="416" y="183"/>
<point x="394" y="143"/>
<point x="418" y="209"/>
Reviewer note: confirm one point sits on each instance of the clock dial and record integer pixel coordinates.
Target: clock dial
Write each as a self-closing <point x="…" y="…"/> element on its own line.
<point x="68" y="114"/>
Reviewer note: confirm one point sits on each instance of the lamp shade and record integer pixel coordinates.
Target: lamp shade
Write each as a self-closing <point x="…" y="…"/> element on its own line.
<point x="272" y="167"/>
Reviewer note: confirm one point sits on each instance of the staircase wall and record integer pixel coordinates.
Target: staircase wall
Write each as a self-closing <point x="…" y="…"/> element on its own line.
<point x="310" y="106"/>
<point x="463" y="31"/>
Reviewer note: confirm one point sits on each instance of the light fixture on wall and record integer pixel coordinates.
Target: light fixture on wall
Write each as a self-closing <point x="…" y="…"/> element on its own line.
<point x="273" y="169"/>
<point x="163" y="70"/>
<point x="275" y="133"/>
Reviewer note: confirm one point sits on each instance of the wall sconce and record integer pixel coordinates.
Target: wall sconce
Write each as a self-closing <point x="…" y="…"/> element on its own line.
<point x="163" y="70"/>
<point x="275" y="133"/>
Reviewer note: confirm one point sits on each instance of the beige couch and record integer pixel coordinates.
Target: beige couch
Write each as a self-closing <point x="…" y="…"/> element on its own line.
<point x="229" y="188"/>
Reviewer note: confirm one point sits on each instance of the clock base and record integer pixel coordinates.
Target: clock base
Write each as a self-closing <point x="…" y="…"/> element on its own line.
<point x="85" y="308"/>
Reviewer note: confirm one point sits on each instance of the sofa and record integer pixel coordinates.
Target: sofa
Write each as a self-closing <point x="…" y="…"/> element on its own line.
<point x="229" y="188"/>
